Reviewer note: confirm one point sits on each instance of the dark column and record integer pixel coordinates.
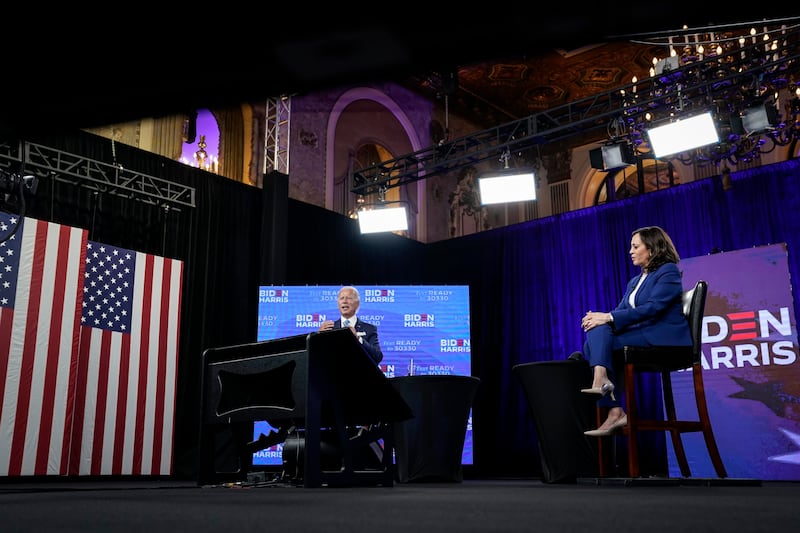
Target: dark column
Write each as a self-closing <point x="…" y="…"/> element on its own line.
<point x="274" y="227"/>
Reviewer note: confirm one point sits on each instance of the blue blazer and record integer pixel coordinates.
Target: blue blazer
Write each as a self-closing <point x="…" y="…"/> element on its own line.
<point x="368" y="334"/>
<point x="659" y="308"/>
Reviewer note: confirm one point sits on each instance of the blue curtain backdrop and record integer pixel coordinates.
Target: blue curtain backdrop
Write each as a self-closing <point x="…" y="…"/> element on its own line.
<point x="531" y="283"/>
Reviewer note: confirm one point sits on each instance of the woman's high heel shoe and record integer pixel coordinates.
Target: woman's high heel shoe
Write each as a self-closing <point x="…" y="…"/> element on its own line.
<point x="610" y="430"/>
<point x="604" y="390"/>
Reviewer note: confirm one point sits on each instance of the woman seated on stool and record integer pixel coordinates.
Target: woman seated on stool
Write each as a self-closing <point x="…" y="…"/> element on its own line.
<point x="649" y="314"/>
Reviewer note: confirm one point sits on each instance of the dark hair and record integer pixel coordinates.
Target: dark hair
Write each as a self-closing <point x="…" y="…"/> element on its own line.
<point x="660" y="246"/>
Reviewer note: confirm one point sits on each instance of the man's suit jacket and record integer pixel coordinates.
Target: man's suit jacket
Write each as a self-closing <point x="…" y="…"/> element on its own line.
<point x="659" y="308"/>
<point x="368" y="335"/>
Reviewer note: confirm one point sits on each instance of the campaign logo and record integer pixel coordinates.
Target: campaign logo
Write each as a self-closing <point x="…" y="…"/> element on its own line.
<point x="731" y="332"/>
<point x="424" y="320"/>
<point x="378" y="295"/>
<point x="272" y="453"/>
<point x="454" y="345"/>
<point x="313" y="320"/>
<point x="388" y="370"/>
<point x="268" y="296"/>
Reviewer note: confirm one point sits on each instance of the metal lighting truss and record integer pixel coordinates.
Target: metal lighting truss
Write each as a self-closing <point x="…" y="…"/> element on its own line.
<point x="276" y="143"/>
<point x="699" y="83"/>
<point x="81" y="171"/>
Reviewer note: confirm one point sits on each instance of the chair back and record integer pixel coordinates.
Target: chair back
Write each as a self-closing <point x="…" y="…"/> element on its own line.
<point x="694" y="305"/>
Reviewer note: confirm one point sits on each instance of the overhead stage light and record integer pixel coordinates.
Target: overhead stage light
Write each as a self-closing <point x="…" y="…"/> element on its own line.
<point x="667" y="65"/>
<point x="682" y="135"/>
<point x="760" y="117"/>
<point x="510" y="185"/>
<point x="11" y="182"/>
<point x="612" y="156"/>
<point x="380" y="218"/>
<point x="507" y="185"/>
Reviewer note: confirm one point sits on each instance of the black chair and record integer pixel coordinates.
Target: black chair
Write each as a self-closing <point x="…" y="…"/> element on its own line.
<point x="666" y="359"/>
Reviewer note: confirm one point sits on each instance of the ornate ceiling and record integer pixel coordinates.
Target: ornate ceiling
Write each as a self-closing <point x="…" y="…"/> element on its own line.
<point x="507" y="89"/>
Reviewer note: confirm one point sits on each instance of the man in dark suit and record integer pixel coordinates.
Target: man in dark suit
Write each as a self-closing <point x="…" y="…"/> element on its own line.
<point x="349" y="301"/>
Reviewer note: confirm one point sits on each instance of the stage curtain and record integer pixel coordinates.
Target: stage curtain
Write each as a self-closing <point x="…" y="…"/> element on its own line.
<point x="529" y="283"/>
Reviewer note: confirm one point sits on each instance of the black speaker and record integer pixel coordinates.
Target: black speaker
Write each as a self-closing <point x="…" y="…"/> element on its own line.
<point x="612" y="156"/>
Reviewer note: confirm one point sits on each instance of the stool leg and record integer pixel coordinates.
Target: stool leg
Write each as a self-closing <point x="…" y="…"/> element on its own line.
<point x="674" y="431"/>
<point x="632" y="430"/>
<point x="705" y="421"/>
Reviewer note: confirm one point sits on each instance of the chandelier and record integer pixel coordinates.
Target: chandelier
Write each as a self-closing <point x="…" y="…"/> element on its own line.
<point x="202" y="159"/>
<point x="747" y="78"/>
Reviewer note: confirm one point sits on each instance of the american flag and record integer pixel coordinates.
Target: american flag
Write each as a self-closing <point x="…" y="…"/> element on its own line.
<point x="40" y="294"/>
<point x="125" y="399"/>
<point x="88" y="354"/>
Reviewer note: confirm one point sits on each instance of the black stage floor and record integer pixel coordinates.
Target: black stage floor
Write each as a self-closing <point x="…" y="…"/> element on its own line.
<point x="472" y="505"/>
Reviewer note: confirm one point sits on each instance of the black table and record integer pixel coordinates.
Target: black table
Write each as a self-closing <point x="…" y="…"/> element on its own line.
<point x="561" y="414"/>
<point x="429" y="446"/>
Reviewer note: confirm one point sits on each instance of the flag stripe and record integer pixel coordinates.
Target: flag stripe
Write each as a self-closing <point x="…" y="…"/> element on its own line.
<point x="156" y="367"/>
<point x="37" y="350"/>
<point x="62" y="294"/>
<point x="6" y="320"/>
<point x="28" y="348"/>
<point x="50" y="370"/>
<point x="171" y="373"/>
<point x="121" y="405"/>
<point x="75" y="265"/>
<point x="144" y="280"/>
<point x="131" y="353"/>
<point x="81" y="393"/>
<point x="55" y="349"/>
<point x="100" y="403"/>
<point x="161" y="363"/>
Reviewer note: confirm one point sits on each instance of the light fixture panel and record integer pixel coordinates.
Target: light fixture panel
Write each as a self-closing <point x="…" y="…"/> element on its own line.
<point x="682" y="135"/>
<point x="383" y="219"/>
<point x="667" y="64"/>
<point x="505" y="187"/>
<point x="761" y="117"/>
<point x="612" y="156"/>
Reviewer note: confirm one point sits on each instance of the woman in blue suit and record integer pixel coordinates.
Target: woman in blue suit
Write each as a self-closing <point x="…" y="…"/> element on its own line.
<point x="649" y="314"/>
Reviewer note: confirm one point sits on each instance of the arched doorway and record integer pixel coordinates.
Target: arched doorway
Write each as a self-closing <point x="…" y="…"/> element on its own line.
<point x="365" y="128"/>
<point x="201" y="142"/>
